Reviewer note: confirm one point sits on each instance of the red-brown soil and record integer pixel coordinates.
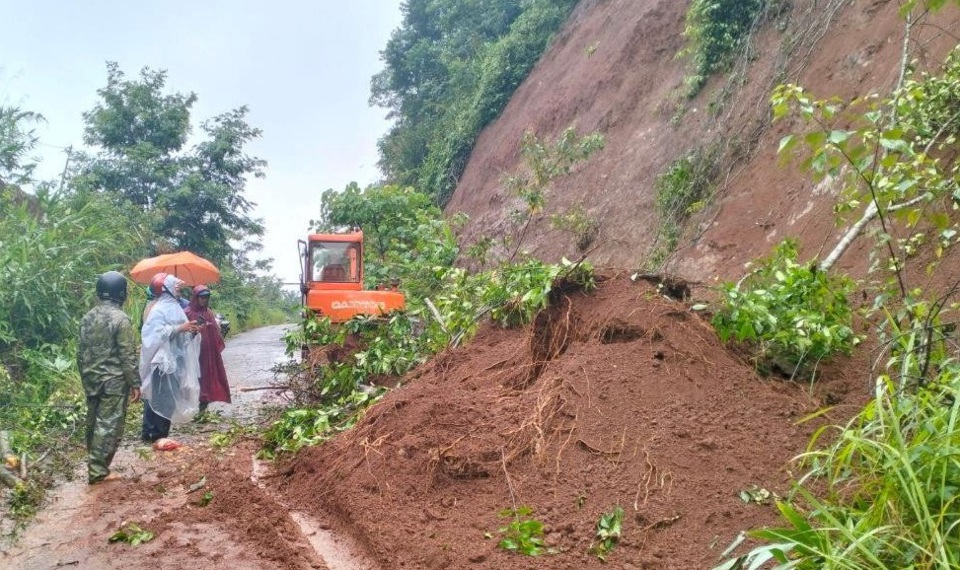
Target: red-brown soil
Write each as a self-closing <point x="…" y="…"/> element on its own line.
<point x="622" y="397"/>
<point x="241" y="527"/>
<point x="613" y="69"/>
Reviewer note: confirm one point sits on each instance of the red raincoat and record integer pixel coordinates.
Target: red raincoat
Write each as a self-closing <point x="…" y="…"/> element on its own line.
<point x="213" y="376"/>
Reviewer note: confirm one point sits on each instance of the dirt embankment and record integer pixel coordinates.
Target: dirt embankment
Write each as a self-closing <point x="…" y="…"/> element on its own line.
<point x="613" y="69"/>
<point x="619" y="398"/>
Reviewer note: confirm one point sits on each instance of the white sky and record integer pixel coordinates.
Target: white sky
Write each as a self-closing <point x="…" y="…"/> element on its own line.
<point x="302" y="66"/>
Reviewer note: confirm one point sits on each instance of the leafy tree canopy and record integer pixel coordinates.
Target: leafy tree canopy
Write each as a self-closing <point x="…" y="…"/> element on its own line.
<point x="16" y="142"/>
<point x="196" y="194"/>
<point x="449" y="70"/>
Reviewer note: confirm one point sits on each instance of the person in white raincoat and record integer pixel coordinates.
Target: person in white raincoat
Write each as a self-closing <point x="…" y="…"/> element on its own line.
<point x="169" y="362"/>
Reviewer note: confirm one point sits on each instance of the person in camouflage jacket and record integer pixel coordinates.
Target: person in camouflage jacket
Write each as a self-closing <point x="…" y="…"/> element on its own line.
<point x="107" y="359"/>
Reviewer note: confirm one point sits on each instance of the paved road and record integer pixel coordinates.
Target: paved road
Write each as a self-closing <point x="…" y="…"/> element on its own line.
<point x="72" y="529"/>
<point x="249" y="359"/>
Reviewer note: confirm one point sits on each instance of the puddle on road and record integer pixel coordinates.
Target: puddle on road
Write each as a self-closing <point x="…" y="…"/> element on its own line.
<point x="336" y="552"/>
<point x="257" y="470"/>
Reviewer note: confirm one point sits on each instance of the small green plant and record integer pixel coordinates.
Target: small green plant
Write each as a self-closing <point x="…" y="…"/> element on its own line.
<point x="231" y="435"/>
<point x="609" y="529"/>
<point x="144" y="453"/>
<point x="25" y="499"/>
<point x="681" y="190"/>
<point x="577" y="222"/>
<point x="205" y="499"/>
<point x="524" y="534"/>
<point x="791" y="313"/>
<point x="132" y="534"/>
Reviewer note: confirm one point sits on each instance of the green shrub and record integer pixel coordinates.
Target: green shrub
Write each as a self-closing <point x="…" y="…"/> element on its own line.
<point x="715" y="29"/>
<point x="577" y="222"/>
<point x="681" y="191"/>
<point x="791" y="314"/>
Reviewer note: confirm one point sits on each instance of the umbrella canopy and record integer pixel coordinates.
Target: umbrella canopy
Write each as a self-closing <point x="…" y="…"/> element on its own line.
<point x="193" y="269"/>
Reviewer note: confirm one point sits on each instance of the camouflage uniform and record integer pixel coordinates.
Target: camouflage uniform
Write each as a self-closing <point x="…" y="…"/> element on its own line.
<point x="107" y="359"/>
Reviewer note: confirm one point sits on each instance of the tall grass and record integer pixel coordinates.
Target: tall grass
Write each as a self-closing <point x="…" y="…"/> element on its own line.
<point x="890" y="495"/>
<point x="51" y="249"/>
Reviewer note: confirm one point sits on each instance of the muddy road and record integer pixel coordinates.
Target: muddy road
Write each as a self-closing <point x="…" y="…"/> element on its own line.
<point x="208" y="506"/>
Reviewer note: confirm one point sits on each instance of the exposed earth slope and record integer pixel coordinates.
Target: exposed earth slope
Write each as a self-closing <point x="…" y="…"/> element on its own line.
<point x="613" y="69"/>
<point x="622" y="397"/>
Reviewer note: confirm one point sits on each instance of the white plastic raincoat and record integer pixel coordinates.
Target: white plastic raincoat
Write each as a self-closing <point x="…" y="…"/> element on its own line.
<point x="169" y="360"/>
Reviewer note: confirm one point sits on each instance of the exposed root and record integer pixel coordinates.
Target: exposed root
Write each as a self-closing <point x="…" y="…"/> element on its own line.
<point x="662" y="523"/>
<point x="551" y="335"/>
<point x="672" y="286"/>
<point x="548" y="420"/>
<point x="373" y="446"/>
<point x="506" y="474"/>
<point x="652" y="480"/>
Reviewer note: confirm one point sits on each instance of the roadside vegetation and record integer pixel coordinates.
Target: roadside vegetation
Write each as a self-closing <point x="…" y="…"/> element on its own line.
<point x="140" y="192"/>
<point x="881" y="490"/>
<point x="408" y="239"/>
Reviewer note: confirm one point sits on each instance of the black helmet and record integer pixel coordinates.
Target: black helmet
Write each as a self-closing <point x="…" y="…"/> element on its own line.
<point x="112" y="285"/>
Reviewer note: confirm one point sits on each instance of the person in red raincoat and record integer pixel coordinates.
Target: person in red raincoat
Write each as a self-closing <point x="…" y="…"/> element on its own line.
<point x="213" y="376"/>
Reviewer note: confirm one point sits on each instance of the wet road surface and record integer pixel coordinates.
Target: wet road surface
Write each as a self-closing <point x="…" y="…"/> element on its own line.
<point x="249" y="359"/>
<point x="72" y="529"/>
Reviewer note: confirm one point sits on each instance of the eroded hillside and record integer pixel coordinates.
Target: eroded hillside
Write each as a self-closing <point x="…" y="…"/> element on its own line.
<point x="613" y="69"/>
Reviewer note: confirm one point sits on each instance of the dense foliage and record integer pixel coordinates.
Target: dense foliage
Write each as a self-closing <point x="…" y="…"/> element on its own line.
<point x="792" y="314"/>
<point x="195" y="197"/>
<point x="449" y="70"/>
<point x="715" y="29"/>
<point x="140" y="195"/>
<point x="881" y="491"/>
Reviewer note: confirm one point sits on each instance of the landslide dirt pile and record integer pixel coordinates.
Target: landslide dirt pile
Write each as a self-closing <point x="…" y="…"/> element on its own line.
<point x="238" y="525"/>
<point x="621" y="397"/>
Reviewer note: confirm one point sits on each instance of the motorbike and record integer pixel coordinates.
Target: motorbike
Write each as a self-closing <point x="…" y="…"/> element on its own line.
<point x="223" y="323"/>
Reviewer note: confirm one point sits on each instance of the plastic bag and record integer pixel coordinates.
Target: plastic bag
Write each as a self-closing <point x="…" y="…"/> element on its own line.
<point x="166" y="444"/>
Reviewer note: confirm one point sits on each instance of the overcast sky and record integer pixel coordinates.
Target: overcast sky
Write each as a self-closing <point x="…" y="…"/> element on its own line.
<point x="302" y="66"/>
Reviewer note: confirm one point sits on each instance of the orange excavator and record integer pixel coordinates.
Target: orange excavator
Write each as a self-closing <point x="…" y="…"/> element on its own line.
<point x="331" y="281"/>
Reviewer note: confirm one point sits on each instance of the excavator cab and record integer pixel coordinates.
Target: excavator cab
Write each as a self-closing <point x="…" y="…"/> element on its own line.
<point x="336" y="262"/>
<point x="332" y="279"/>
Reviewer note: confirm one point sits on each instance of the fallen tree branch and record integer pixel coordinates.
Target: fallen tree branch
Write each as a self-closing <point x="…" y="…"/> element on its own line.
<point x="436" y="314"/>
<point x="856" y="229"/>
